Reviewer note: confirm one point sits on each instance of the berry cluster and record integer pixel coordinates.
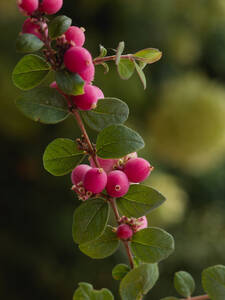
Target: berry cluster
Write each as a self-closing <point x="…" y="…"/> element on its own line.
<point x="130" y="226"/>
<point x="114" y="175"/>
<point x="75" y="57"/>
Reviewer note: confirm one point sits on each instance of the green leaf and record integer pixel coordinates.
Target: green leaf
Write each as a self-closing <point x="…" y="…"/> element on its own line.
<point x="119" y="271"/>
<point x="140" y="74"/>
<point x="61" y="156"/>
<point x="26" y="43"/>
<point x="213" y="282"/>
<point x="43" y="105"/>
<point x="152" y="244"/>
<point x="119" y="52"/>
<point x="104" y="246"/>
<point x="139" y="281"/>
<point x="86" y="292"/>
<point x="103" y="51"/>
<point x="125" y="68"/>
<point x="109" y="111"/>
<point x="184" y="283"/>
<point x="70" y="83"/>
<point x="148" y="55"/>
<point x="30" y="72"/>
<point x="58" y="26"/>
<point x="139" y="201"/>
<point x="117" y="141"/>
<point x="90" y="220"/>
<point x="170" y="298"/>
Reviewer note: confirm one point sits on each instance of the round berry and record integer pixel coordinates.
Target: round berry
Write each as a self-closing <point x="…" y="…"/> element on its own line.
<point x="117" y="184"/>
<point x="124" y="232"/>
<point x="30" y="27"/>
<point x="88" y="74"/>
<point x="142" y="223"/>
<point x="99" y="92"/>
<point x="77" y="59"/>
<point x="137" y="169"/>
<point x="106" y="164"/>
<point x="75" y="36"/>
<point x="88" y="100"/>
<point x="51" y="7"/>
<point x="78" y="173"/>
<point x="27" y="7"/>
<point x="95" y="180"/>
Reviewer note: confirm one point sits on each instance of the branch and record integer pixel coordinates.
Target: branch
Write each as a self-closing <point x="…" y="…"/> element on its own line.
<point x="202" y="297"/>
<point x="99" y="60"/>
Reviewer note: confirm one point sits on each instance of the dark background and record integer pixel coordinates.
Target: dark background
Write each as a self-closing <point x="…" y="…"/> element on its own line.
<point x="181" y="117"/>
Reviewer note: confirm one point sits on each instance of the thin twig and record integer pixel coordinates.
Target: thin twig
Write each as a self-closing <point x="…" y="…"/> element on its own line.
<point x="99" y="60"/>
<point x="201" y="297"/>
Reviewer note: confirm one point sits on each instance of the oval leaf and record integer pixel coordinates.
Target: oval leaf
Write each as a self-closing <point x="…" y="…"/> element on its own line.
<point x="117" y="141"/>
<point x="109" y="111"/>
<point x="61" y="156"/>
<point x="58" y="26"/>
<point x="119" y="51"/>
<point x="43" y="105"/>
<point x="125" y="68"/>
<point x="213" y="282"/>
<point x="140" y="74"/>
<point x="86" y="292"/>
<point x="103" y="247"/>
<point x="70" y="83"/>
<point x="184" y="283"/>
<point x="139" y="201"/>
<point x="30" y="71"/>
<point x="152" y="244"/>
<point x="119" y="271"/>
<point x="26" y="43"/>
<point x="149" y="55"/>
<point x="139" y="281"/>
<point x="90" y="220"/>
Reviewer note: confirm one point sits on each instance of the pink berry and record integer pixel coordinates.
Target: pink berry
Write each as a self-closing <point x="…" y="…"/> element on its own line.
<point x="137" y="169"/>
<point x="88" y="100"/>
<point x="27" y="7"/>
<point x="142" y="223"/>
<point x="51" y="7"/>
<point x="77" y="59"/>
<point x="78" y="173"/>
<point x="75" y="36"/>
<point x="30" y="27"/>
<point x="99" y="92"/>
<point x="88" y="74"/>
<point x="124" y="232"/>
<point x="106" y="164"/>
<point x="95" y="180"/>
<point x="117" y="184"/>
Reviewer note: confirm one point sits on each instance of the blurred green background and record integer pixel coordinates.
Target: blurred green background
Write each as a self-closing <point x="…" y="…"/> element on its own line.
<point x="181" y="116"/>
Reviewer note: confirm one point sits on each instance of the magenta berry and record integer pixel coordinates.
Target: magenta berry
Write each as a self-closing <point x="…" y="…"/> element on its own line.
<point x="88" y="74"/>
<point x="78" y="173"/>
<point x="77" y="59"/>
<point x="51" y="7"/>
<point x="106" y="164"/>
<point x="99" y="92"/>
<point x="75" y="36"/>
<point x="30" y="27"/>
<point x="88" y="100"/>
<point x="27" y="7"/>
<point x="95" y="180"/>
<point x="117" y="184"/>
<point x="137" y="169"/>
<point x="124" y="232"/>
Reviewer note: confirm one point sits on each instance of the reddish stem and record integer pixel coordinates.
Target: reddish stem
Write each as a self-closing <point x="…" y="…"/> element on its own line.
<point x="99" y="60"/>
<point x="202" y="297"/>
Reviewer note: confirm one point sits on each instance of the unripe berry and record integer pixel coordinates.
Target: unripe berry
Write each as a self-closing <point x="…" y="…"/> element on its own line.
<point x="88" y="74"/>
<point x="137" y="169"/>
<point x="27" y="7"/>
<point x="95" y="180"/>
<point x="106" y="164"/>
<point x="117" y="184"/>
<point x="51" y="7"/>
<point x="78" y="173"/>
<point x="124" y="232"/>
<point x="88" y="100"/>
<point x="77" y="59"/>
<point x="75" y="36"/>
<point x="142" y="223"/>
<point x="30" y="27"/>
